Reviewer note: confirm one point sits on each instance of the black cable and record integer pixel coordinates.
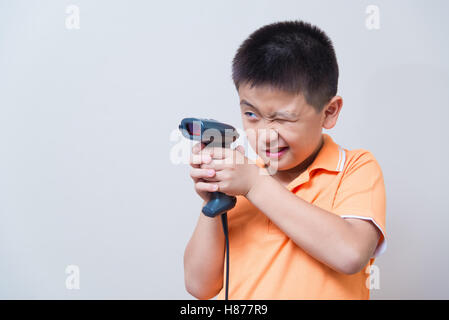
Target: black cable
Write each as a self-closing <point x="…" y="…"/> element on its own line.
<point x="224" y="222"/>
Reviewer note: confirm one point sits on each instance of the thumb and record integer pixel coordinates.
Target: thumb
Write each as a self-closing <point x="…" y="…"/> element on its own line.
<point x="240" y="149"/>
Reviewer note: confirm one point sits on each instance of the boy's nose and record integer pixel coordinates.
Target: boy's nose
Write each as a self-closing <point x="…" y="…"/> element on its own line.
<point x="269" y="137"/>
<point x="272" y="136"/>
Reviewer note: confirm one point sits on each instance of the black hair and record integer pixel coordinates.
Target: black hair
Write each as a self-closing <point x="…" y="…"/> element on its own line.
<point x="293" y="56"/>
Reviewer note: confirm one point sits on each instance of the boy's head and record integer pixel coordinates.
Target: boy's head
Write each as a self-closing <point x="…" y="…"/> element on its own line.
<point x="286" y="75"/>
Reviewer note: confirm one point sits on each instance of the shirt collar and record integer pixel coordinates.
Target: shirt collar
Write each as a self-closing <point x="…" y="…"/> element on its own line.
<point x="331" y="157"/>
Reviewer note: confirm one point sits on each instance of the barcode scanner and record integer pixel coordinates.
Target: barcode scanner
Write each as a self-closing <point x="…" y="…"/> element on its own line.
<point x="214" y="134"/>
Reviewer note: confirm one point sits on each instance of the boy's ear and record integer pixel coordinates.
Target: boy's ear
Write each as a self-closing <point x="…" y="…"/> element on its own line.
<point x="331" y="112"/>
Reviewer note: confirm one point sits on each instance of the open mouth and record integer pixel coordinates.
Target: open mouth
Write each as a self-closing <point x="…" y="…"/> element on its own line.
<point x="277" y="152"/>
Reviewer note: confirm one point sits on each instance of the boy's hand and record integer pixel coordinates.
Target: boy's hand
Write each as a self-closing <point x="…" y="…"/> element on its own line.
<point x="199" y="175"/>
<point x="235" y="174"/>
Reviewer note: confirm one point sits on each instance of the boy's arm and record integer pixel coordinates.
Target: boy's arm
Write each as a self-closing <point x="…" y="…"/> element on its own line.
<point x="345" y="245"/>
<point x="204" y="258"/>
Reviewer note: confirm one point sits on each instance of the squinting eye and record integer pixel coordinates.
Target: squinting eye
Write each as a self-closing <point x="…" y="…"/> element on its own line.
<point x="248" y="113"/>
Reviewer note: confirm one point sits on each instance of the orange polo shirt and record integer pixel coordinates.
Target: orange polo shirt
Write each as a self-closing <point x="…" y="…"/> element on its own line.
<point x="266" y="264"/>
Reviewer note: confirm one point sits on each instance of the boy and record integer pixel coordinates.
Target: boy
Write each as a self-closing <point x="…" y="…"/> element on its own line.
<point x="311" y="229"/>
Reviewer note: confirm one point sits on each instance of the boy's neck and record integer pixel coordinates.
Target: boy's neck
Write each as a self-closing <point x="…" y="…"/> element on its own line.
<point x="286" y="176"/>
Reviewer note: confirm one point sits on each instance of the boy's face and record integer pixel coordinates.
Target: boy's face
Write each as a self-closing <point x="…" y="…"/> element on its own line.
<point x="281" y="127"/>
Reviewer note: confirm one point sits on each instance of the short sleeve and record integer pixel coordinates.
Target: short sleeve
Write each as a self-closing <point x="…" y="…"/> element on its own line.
<point x="361" y="194"/>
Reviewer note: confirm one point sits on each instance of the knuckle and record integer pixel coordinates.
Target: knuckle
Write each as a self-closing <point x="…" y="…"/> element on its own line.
<point x="226" y="175"/>
<point x="195" y="160"/>
<point x="196" y="148"/>
<point x="199" y="186"/>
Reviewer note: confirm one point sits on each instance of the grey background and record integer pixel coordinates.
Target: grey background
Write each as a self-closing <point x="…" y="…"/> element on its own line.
<point x="86" y="115"/>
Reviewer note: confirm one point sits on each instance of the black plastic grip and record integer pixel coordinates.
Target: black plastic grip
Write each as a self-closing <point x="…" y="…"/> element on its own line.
<point x="219" y="203"/>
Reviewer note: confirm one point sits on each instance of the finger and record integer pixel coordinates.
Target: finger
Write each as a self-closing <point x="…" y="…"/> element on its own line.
<point x="204" y="186"/>
<point x="197" y="159"/>
<point x="240" y="149"/>
<point x="222" y="153"/>
<point x="198" y="147"/>
<point x="197" y="173"/>
<point x="229" y="162"/>
<point x="214" y="179"/>
<point x="207" y="151"/>
<point x="215" y="164"/>
<point x="217" y="153"/>
<point x="218" y="176"/>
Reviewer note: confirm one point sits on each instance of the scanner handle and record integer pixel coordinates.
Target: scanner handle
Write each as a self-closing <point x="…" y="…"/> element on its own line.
<point x="219" y="203"/>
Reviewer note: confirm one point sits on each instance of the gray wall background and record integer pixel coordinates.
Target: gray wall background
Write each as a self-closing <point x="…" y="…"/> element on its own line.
<point x="86" y="117"/>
